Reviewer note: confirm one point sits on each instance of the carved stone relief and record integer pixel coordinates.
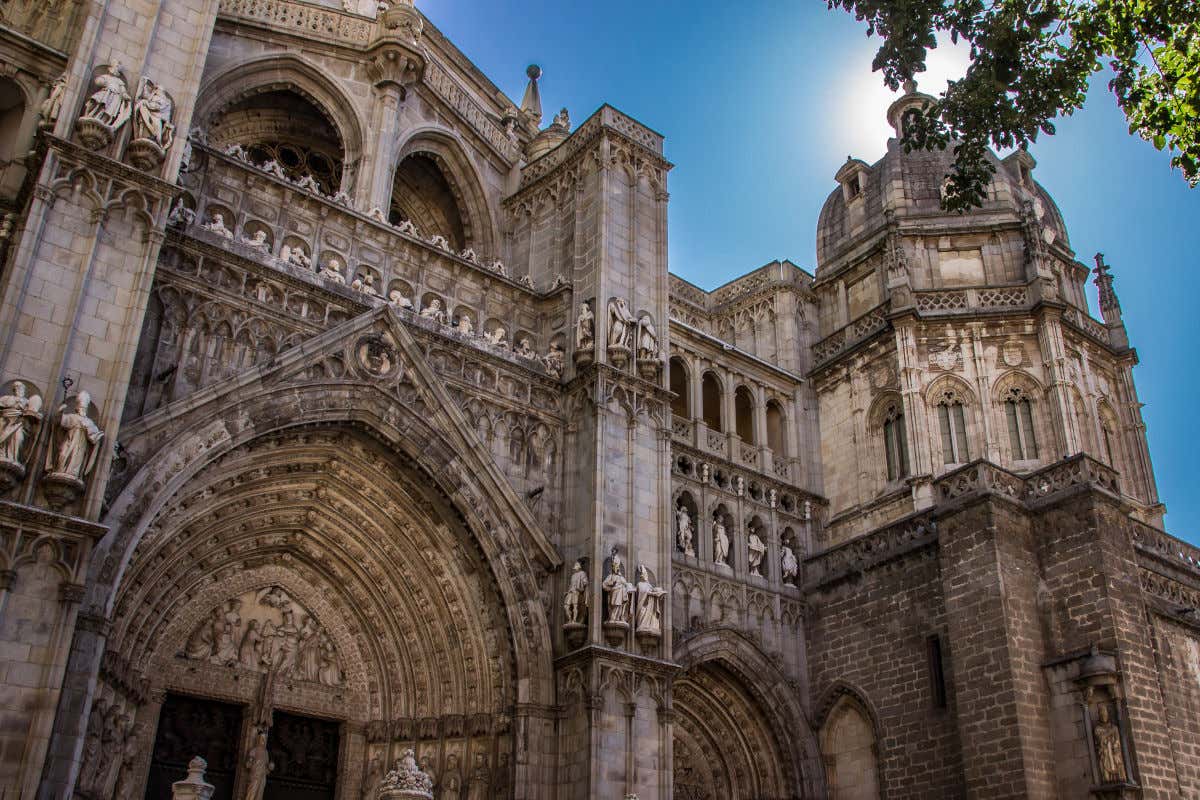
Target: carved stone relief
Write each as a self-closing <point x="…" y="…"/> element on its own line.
<point x="264" y="629"/>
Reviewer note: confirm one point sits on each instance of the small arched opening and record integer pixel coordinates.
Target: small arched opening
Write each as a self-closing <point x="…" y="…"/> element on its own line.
<point x="776" y="428"/>
<point x="710" y="390"/>
<point x="422" y="195"/>
<point x="743" y="411"/>
<point x="680" y="407"/>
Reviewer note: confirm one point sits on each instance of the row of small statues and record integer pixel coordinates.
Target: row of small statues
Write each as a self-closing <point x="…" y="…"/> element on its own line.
<point x="75" y="447"/>
<point x="626" y="603"/>
<point x="755" y="547"/>
<point x="625" y="333"/>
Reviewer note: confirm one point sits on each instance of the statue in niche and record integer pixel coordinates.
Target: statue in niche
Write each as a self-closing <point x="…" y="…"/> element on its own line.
<point x="434" y="311"/>
<point x="370" y="784"/>
<point x="1108" y="748"/>
<point x="789" y="564"/>
<point x="109" y="105"/>
<point x="440" y="242"/>
<point x="617" y="588"/>
<point x="399" y="300"/>
<point x="576" y="599"/>
<point x="78" y="442"/>
<point x="465" y="326"/>
<point x="258" y="766"/>
<point x="51" y="107"/>
<point x="525" y="349"/>
<point x="229" y="634"/>
<point x="365" y="283"/>
<point x="502" y="778"/>
<point x="685" y="535"/>
<point x="649" y="604"/>
<point x="585" y="328"/>
<point x="258" y="240"/>
<point x="621" y="324"/>
<point x="181" y="214"/>
<point x="647" y="339"/>
<point x="332" y="271"/>
<point x="152" y="115"/>
<point x="123" y="751"/>
<point x="720" y="542"/>
<point x="740" y="484"/>
<point x="217" y="225"/>
<point x="20" y="416"/>
<point x="296" y="256"/>
<point x="498" y="337"/>
<point x="281" y="642"/>
<point x="756" y="549"/>
<point x="427" y="768"/>
<point x="406" y="226"/>
<point x="452" y="779"/>
<point x="469" y="255"/>
<point x="200" y="645"/>
<point x="553" y="360"/>
<point x="480" y="777"/>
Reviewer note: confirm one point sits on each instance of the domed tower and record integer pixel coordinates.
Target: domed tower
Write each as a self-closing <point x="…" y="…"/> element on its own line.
<point x="947" y="338"/>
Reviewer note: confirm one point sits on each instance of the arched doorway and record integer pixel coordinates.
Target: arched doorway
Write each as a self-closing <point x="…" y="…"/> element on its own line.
<point x="319" y="563"/>
<point x="849" y="751"/>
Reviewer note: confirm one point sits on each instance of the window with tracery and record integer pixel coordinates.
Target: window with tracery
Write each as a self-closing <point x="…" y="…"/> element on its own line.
<point x="952" y="419"/>
<point x="1022" y="437"/>
<point x="299" y="160"/>
<point x="895" y="442"/>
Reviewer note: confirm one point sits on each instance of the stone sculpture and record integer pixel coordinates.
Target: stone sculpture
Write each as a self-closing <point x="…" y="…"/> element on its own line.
<point x="685" y="534"/>
<point x="440" y="242"/>
<point x="576" y="599"/>
<point x="181" y="214"/>
<point x="258" y="240"/>
<point x="235" y="150"/>
<point x="585" y="335"/>
<point x="1108" y="748"/>
<point x="296" y="256"/>
<point x="553" y="360"/>
<point x="649" y="605"/>
<point x="307" y="183"/>
<point x="91" y="744"/>
<point x="480" y="778"/>
<point x="74" y="452"/>
<point x="621" y="325"/>
<point x="106" y="110"/>
<point x="217" y="225"/>
<point x="273" y="167"/>
<point x="371" y="781"/>
<point x="258" y="766"/>
<point x="465" y="326"/>
<point x="51" y="107"/>
<point x="647" y="339"/>
<point x="498" y="337"/>
<point x="434" y="311"/>
<point x="790" y="566"/>
<point x="756" y="549"/>
<point x="332" y="271"/>
<point x="526" y="281"/>
<point x="451" y="779"/>
<point x="617" y="589"/>
<point x="499" y="268"/>
<point x="562" y="120"/>
<point x="720" y="542"/>
<point x="20" y="417"/>
<point x="469" y="255"/>
<point x="406" y="780"/>
<point x="377" y="214"/>
<point x="525" y="349"/>
<point x="365" y="283"/>
<point x="399" y="300"/>
<point x="153" y="130"/>
<point x="406" y="226"/>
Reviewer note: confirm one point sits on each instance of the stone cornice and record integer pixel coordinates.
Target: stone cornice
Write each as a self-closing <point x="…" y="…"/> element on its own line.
<point x="42" y="521"/>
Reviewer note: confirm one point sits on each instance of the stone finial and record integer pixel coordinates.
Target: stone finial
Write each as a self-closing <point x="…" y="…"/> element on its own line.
<point x="406" y="780"/>
<point x="193" y="787"/>
<point x="531" y="103"/>
<point x="1110" y="307"/>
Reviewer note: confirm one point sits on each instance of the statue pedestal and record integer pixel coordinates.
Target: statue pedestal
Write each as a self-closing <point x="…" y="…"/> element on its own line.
<point x="575" y="633"/>
<point x="93" y="134"/>
<point x="649" y="368"/>
<point x="583" y="358"/>
<point x="615" y="633"/>
<point x="648" y="639"/>
<point x="618" y="356"/>
<point x="61" y="488"/>
<point x="145" y="154"/>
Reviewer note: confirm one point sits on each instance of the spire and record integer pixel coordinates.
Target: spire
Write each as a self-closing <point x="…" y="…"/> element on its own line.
<point x="1110" y="307"/>
<point x="531" y="104"/>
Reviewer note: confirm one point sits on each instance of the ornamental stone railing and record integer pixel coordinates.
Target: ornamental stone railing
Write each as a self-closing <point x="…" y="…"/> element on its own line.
<point x="866" y="552"/>
<point x="984" y="476"/>
<point x="444" y="86"/>
<point x="971" y="299"/>
<point x="301" y="19"/>
<point x="1166" y="548"/>
<point x="859" y="329"/>
<point x="682" y="429"/>
<point x="1086" y="324"/>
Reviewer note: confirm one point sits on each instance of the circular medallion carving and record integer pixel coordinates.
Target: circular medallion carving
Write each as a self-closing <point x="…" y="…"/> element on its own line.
<point x="376" y="356"/>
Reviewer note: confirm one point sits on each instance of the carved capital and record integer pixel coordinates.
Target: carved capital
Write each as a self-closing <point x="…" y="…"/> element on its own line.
<point x="392" y="64"/>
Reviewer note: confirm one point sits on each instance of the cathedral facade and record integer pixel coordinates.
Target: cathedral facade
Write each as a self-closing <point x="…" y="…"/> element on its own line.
<point x="355" y="438"/>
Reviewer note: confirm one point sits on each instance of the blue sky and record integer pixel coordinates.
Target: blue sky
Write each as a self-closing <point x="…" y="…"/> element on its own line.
<point x="761" y="102"/>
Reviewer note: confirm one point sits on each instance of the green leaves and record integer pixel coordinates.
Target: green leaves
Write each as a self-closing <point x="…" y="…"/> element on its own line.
<point x="1030" y="63"/>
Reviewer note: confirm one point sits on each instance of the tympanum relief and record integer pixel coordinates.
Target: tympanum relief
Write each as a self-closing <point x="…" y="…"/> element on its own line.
<point x="266" y="629"/>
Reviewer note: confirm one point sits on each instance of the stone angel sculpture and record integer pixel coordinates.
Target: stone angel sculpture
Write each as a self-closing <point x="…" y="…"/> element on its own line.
<point x="20" y="416"/>
<point x="720" y="542"/>
<point x="585" y="328"/>
<point x="152" y="116"/>
<point x="621" y="324"/>
<point x="685" y="534"/>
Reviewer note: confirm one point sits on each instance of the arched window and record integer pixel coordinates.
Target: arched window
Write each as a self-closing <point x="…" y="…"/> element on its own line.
<point x="422" y="195"/>
<point x="1022" y="437"/>
<point x="1109" y="441"/>
<point x="710" y="389"/>
<point x="895" y="442"/>
<point x="678" y="376"/>
<point x="849" y="752"/>
<point x="12" y="114"/>
<point x="952" y="420"/>
<point x="776" y="428"/>
<point x="743" y="408"/>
